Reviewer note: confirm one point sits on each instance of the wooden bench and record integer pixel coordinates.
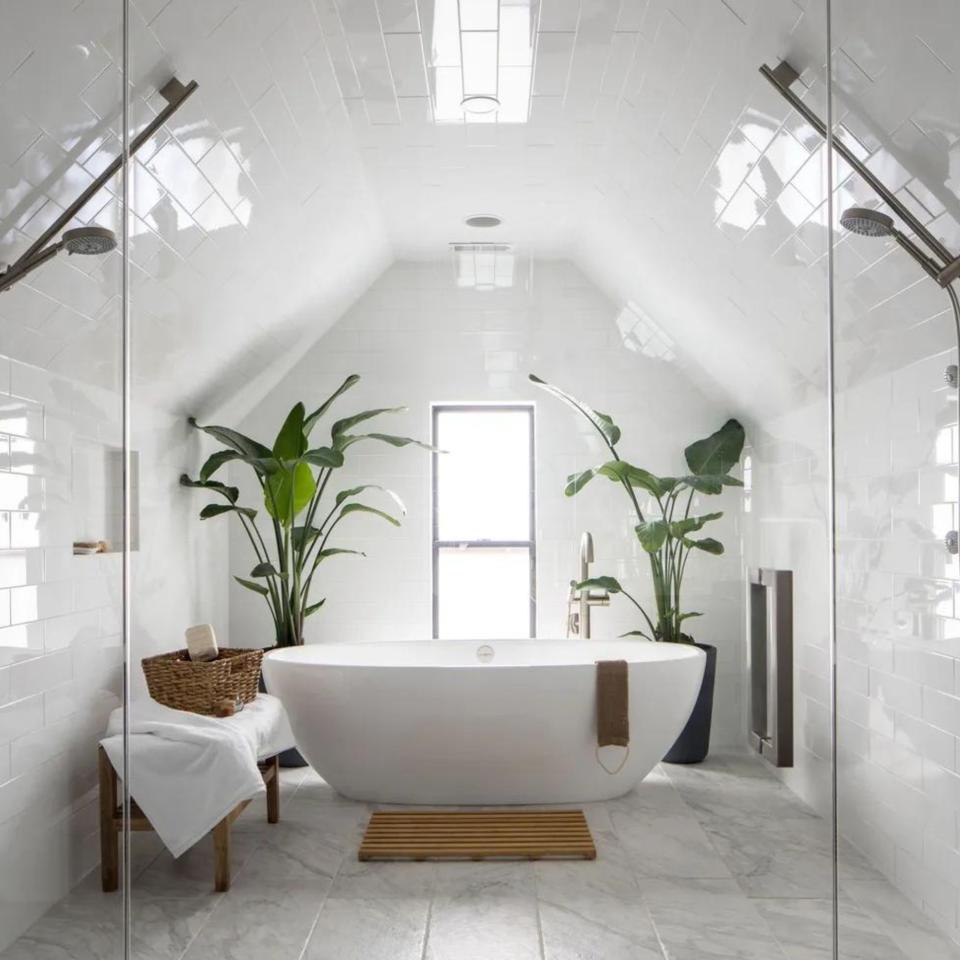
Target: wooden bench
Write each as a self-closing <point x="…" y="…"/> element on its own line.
<point x="111" y="824"/>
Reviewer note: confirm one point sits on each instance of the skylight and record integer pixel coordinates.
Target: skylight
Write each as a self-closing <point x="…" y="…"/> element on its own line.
<point x="482" y="60"/>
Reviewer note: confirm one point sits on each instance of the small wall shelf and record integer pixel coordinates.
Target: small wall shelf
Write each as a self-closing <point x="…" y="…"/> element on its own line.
<point x="97" y="496"/>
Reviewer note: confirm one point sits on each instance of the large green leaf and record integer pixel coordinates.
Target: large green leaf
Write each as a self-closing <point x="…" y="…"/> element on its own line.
<point x="348" y="439"/>
<point x="718" y="453"/>
<point x="363" y="508"/>
<point x="216" y="460"/>
<point x="216" y="509"/>
<point x="336" y="551"/>
<point x="266" y="569"/>
<point x="265" y="466"/>
<point x="291" y="442"/>
<point x="342" y="426"/>
<point x="288" y="492"/>
<point x="234" y="439"/>
<point x="652" y="534"/>
<point x="610" y="584"/>
<point x="231" y="493"/>
<point x="680" y="528"/>
<point x="636" y="633"/>
<point x="303" y="536"/>
<point x="255" y="587"/>
<point x="622" y="471"/>
<point x="601" y="421"/>
<point x="708" y="545"/>
<point x="353" y="491"/>
<point x="310" y="422"/>
<point x="314" y="607"/>
<point x="577" y="481"/>
<point x="324" y="457"/>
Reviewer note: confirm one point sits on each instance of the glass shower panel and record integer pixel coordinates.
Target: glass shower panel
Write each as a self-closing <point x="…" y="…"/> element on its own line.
<point x="896" y="226"/>
<point x="61" y="456"/>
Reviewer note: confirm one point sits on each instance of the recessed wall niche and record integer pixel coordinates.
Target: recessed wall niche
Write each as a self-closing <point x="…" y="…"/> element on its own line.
<point x="97" y="488"/>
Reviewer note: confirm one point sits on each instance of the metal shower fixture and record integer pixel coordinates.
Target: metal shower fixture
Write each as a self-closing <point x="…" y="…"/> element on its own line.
<point x="939" y="263"/>
<point x="91" y="240"/>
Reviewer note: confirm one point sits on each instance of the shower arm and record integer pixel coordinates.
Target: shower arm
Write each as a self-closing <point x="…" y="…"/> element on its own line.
<point x="175" y="93"/>
<point x="944" y="271"/>
<point x="945" y="266"/>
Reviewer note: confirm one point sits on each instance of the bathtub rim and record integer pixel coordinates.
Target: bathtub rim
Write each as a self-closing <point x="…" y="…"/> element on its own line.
<point x="300" y="655"/>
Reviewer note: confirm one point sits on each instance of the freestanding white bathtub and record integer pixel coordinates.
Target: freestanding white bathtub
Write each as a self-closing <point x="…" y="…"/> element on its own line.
<point x="474" y="722"/>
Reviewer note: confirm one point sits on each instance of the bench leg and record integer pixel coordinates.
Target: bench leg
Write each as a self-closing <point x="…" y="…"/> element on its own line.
<point x="221" y="853"/>
<point x="273" y="791"/>
<point x="109" y="841"/>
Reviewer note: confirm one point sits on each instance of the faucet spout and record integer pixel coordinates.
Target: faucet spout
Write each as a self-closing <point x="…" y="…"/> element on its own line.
<point x="578" y="621"/>
<point x="586" y="554"/>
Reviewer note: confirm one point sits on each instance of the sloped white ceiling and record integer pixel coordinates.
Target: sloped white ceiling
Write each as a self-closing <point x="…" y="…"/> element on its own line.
<point x="654" y="154"/>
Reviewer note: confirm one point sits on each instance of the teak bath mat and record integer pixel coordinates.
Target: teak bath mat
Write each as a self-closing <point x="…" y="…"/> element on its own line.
<point x="481" y="835"/>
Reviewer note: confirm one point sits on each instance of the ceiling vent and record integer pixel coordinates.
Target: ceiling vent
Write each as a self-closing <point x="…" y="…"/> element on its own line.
<point x="483" y="221"/>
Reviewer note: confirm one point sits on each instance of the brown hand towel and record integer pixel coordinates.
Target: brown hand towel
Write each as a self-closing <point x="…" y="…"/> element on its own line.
<point x="613" y="701"/>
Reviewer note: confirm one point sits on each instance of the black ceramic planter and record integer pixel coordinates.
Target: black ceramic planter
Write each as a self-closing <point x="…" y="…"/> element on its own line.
<point x="290" y="759"/>
<point x="693" y="744"/>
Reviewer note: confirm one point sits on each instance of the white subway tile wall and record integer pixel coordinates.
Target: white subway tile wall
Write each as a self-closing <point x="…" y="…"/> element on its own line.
<point x="416" y="337"/>
<point x="60" y="644"/>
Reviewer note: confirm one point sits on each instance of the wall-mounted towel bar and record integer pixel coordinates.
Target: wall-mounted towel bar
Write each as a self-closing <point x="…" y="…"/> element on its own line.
<point x="770" y="602"/>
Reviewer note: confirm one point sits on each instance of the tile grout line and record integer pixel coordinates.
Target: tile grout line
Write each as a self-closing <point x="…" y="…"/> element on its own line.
<point x="537" y="903"/>
<point x="323" y="903"/>
<point x="426" y="928"/>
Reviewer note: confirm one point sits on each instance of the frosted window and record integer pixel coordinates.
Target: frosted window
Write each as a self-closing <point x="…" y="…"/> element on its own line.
<point x="483" y="593"/>
<point x="484" y="555"/>
<point x="483" y="478"/>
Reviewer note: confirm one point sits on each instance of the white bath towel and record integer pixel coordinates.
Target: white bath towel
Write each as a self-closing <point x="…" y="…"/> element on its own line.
<point x="187" y="771"/>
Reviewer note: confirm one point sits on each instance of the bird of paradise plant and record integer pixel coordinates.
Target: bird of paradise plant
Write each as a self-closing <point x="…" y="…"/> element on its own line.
<point x="666" y="537"/>
<point x="294" y="480"/>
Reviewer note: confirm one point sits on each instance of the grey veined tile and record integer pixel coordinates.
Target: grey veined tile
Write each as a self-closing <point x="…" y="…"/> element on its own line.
<point x="483" y="928"/>
<point x="910" y="929"/>
<point x="667" y="846"/>
<point x="804" y="929"/>
<point x="782" y="858"/>
<point x="259" y="919"/>
<point x="699" y="919"/>
<point x="391" y="929"/>
<point x="598" y="928"/>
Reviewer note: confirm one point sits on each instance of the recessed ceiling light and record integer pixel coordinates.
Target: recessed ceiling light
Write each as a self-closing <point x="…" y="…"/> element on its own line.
<point x="485" y="220"/>
<point x="480" y="104"/>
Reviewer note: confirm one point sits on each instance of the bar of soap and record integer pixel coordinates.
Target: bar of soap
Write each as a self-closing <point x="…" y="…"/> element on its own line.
<point x="202" y="642"/>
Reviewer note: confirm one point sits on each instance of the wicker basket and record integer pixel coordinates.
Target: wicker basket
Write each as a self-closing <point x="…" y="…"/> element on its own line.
<point x="175" y="680"/>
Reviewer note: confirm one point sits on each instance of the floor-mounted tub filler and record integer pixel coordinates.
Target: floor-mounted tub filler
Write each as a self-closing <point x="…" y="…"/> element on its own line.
<point x="473" y="722"/>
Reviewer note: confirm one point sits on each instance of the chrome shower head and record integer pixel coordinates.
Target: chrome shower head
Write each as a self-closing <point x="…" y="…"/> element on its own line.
<point x="89" y="241"/>
<point x="866" y="222"/>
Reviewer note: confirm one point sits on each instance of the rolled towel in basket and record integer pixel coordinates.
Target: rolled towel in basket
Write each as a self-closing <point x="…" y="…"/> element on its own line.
<point x="613" y="704"/>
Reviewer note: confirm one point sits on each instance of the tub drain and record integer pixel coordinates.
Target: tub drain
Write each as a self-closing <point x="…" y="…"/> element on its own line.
<point x="485" y="653"/>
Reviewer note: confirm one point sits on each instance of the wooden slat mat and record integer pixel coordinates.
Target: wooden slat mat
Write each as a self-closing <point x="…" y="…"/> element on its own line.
<point x="480" y="835"/>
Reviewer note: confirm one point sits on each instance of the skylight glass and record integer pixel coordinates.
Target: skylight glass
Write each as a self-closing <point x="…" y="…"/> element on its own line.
<point x="482" y="60"/>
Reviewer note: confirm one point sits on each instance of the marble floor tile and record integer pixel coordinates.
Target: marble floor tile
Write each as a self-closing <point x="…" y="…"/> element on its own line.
<point x="592" y="928"/>
<point x="376" y="881"/>
<point x="804" y="929"/>
<point x="696" y="919"/>
<point x="465" y="880"/>
<point x="667" y="846"/>
<point x="392" y="929"/>
<point x="482" y="928"/>
<point x="256" y="920"/>
<point x="781" y="857"/>
<point x="190" y="875"/>
<point x="704" y="862"/>
<point x="910" y="929"/>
